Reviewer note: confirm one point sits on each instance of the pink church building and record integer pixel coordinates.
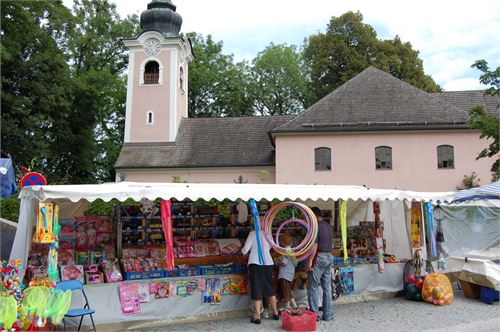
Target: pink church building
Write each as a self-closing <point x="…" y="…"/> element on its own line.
<point x="374" y="130"/>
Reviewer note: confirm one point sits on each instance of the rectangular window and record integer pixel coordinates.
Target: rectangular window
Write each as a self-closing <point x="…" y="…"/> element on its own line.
<point x="445" y="157"/>
<point x="322" y="159"/>
<point x="383" y="157"/>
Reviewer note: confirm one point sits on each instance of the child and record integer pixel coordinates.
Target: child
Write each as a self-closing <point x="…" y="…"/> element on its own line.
<point x="286" y="274"/>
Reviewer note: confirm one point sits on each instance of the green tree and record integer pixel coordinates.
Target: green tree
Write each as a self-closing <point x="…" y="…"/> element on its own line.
<point x="63" y="87"/>
<point x="349" y="46"/>
<point x="278" y="83"/>
<point x="35" y="79"/>
<point x="217" y="86"/>
<point x="99" y="60"/>
<point x="488" y="123"/>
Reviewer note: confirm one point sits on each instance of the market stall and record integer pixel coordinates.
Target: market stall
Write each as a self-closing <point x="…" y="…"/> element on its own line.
<point x="207" y="266"/>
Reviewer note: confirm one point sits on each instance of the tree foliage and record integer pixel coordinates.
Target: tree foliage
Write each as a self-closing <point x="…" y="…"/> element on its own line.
<point x="217" y="86"/>
<point x="63" y="87"/>
<point x="278" y="84"/>
<point x="480" y="119"/>
<point x="349" y="46"/>
<point x="36" y="86"/>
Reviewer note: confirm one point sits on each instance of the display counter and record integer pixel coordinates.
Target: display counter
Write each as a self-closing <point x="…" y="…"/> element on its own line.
<point x="104" y="298"/>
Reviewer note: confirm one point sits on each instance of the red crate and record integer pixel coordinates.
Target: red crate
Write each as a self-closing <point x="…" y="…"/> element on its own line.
<point x="305" y="322"/>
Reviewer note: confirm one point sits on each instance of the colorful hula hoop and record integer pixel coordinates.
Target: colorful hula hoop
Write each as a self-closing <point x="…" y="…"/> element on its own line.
<point x="301" y="251"/>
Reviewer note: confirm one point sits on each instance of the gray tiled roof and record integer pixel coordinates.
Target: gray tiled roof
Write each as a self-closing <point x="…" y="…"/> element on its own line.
<point x="209" y="142"/>
<point x="375" y="100"/>
<point x="468" y="99"/>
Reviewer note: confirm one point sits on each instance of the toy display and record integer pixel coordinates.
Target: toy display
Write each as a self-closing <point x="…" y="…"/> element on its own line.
<point x="436" y="289"/>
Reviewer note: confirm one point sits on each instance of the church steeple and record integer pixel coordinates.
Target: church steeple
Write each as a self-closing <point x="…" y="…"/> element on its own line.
<point x="157" y="76"/>
<point x="161" y="16"/>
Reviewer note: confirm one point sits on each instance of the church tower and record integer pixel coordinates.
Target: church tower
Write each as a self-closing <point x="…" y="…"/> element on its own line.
<point x="157" y="88"/>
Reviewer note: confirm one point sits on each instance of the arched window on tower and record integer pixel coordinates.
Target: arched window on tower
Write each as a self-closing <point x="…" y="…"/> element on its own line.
<point x="151" y="72"/>
<point x="181" y="78"/>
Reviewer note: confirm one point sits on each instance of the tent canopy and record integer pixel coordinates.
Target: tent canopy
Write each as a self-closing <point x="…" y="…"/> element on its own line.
<point x="489" y="191"/>
<point x="69" y="196"/>
<point x="8" y="185"/>
<point x="220" y="191"/>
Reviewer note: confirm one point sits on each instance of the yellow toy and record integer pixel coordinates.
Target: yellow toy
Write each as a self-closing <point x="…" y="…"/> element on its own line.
<point x="44" y="227"/>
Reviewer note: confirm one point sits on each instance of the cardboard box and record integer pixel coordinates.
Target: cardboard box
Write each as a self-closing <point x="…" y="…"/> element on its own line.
<point x="470" y="290"/>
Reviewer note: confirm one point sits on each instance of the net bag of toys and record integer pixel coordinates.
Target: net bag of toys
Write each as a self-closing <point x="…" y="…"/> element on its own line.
<point x="437" y="289"/>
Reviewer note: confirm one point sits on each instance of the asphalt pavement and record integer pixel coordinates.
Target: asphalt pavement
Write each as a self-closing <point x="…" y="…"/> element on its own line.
<point x="394" y="314"/>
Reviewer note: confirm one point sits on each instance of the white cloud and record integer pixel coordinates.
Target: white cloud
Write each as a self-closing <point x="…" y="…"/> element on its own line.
<point x="450" y="35"/>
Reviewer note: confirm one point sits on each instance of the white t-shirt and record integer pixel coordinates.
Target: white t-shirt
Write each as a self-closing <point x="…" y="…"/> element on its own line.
<point x="287" y="271"/>
<point x="251" y="245"/>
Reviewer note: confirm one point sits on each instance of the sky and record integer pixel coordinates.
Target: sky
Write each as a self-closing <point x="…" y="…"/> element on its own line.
<point x="450" y="35"/>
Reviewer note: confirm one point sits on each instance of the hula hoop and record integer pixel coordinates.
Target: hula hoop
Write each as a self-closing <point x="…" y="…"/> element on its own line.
<point x="301" y="251"/>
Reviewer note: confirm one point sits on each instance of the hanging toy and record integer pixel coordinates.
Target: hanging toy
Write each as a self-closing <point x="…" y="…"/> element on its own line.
<point x="301" y="251"/>
<point x="33" y="305"/>
<point x="379" y="237"/>
<point x="8" y="312"/>
<point x="256" y="225"/>
<point x="44" y="232"/>
<point x="57" y="305"/>
<point x="52" y="259"/>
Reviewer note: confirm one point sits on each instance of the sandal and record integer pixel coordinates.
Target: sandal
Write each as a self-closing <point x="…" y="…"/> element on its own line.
<point x="255" y="321"/>
<point x="276" y="317"/>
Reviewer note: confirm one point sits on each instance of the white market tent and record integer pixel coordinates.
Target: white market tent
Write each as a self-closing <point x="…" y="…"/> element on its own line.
<point x="69" y="196"/>
<point x="487" y="192"/>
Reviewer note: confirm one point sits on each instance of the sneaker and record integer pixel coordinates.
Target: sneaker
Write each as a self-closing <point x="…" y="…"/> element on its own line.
<point x="255" y="321"/>
<point x="265" y="314"/>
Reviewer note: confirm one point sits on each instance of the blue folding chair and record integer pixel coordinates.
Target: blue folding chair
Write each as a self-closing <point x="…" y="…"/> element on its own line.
<point x="75" y="285"/>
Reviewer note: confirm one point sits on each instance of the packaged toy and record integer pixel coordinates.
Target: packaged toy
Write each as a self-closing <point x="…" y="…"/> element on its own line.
<point x="225" y="286"/>
<point x="72" y="272"/>
<point x="111" y="270"/>
<point x="66" y="257"/>
<point x="82" y="257"/>
<point x="129" y="299"/>
<point x="162" y="290"/>
<point x="94" y="278"/>
<point x="143" y="291"/>
<point x="44" y="232"/>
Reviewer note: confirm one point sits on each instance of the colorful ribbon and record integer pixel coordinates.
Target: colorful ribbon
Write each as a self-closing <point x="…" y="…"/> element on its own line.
<point x="343" y="227"/>
<point x="431" y="232"/>
<point x="256" y="225"/>
<point x="166" y="220"/>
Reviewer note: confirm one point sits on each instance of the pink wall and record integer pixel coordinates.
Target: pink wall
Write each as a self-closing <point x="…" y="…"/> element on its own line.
<point x="154" y="98"/>
<point x="216" y="175"/>
<point x="414" y="160"/>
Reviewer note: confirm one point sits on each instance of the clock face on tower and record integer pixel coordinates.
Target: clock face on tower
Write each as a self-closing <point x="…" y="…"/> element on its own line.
<point x="152" y="47"/>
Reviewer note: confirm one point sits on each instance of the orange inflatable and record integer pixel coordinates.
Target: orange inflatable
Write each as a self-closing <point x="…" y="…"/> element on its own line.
<point x="437" y="289"/>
